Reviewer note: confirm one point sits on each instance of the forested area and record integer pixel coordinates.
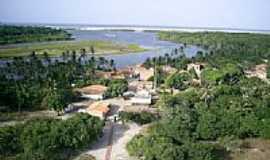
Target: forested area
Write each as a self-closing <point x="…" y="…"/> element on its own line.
<point x="203" y="122"/>
<point x="39" y="82"/>
<point x="22" y="34"/>
<point x="49" y="139"/>
<point x="34" y="83"/>
<point x="240" y="48"/>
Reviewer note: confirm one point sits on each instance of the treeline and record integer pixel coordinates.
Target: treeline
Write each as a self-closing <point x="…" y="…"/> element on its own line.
<point x="49" y="139"/>
<point x="242" y="48"/>
<point x="34" y="83"/>
<point x="22" y="34"/>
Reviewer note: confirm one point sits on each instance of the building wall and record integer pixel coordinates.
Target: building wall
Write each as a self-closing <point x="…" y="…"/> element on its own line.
<point x="138" y="100"/>
<point x="93" y="96"/>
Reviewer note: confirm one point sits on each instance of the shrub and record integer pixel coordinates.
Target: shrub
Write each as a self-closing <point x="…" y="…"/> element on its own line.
<point x="140" y="118"/>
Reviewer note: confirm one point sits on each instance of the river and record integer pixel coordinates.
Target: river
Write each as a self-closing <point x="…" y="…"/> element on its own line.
<point x="147" y="40"/>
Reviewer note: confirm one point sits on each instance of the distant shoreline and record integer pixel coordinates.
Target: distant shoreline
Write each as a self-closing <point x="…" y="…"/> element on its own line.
<point x="157" y="29"/>
<point x="143" y="28"/>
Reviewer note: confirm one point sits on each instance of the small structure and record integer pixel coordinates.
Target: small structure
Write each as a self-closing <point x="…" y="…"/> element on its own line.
<point x="128" y="72"/>
<point x="259" y="71"/>
<point x="142" y="97"/>
<point x="140" y="85"/>
<point x="102" y="74"/>
<point x="143" y="73"/>
<point x="95" y="92"/>
<point x="198" y="67"/>
<point x="118" y="74"/>
<point x="127" y="95"/>
<point x="169" y="69"/>
<point x="97" y="109"/>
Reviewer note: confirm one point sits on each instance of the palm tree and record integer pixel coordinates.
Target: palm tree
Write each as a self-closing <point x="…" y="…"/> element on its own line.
<point x="64" y="56"/>
<point x="92" y="50"/>
<point x="102" y="61"/>
<point x="47" y="58"/>
<point x="83" y="55"/>
<point x="112" y="63"/>
<point x="74" y="56"/>
<point x="166" y="58"/>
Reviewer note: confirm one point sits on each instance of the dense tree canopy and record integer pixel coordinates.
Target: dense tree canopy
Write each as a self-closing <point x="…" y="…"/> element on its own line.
<point x="33" y="82"/>
<point x="49" y="139"/>
<point x="226" y="106"/>
<point x="21" y="34"/>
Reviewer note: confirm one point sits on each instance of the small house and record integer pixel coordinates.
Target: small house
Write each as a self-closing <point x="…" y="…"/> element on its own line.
<point x="142" y="97"/>
<point x="97" y="109"/>
<point x="259" y="71"/>
<point x="95" y="92"/>
<point x="143" y="73"/>
<point x="198" y="67"/>
<point x="140" y="85"/>
<point x="169" y="69"/>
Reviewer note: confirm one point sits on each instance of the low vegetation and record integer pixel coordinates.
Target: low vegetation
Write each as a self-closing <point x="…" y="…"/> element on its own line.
<point x="140" y="118"/>
<point x="59" y="48"/>
<point x="22" y="34"/>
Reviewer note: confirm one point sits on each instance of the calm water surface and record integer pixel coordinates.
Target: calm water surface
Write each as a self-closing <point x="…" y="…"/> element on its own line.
<point x="147" y="40"/>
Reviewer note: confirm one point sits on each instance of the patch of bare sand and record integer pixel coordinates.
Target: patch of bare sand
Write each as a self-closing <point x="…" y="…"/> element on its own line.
<point x="252" y="149"/>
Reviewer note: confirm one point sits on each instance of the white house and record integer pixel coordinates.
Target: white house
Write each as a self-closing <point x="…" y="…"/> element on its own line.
<point x="198" y="67"/>
<point x="142" y="97"/>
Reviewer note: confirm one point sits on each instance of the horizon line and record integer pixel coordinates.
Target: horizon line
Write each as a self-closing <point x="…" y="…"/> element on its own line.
<point x="136" y="25"/>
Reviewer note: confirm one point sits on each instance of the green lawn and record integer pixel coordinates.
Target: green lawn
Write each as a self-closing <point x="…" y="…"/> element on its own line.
<point x="57" y="48"/>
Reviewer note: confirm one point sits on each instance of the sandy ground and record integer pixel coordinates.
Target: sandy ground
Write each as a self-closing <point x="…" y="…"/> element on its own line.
<point x="99" y="149"/>
<point x="121" y="136"/>
<point x="252" y="149"/>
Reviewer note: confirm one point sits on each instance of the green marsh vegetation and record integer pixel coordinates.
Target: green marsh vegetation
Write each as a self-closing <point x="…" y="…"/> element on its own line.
<point x="37" y="39"/>
<point x="58" y="48"/>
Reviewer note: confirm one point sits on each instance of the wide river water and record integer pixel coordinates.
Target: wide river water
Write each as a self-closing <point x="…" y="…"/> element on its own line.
<point x="148" y="40"/>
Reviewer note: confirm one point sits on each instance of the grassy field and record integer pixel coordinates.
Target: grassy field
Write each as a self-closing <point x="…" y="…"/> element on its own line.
<point x="57" y="48"/>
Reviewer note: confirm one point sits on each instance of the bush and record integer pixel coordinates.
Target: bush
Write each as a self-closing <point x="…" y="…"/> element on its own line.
<point x="50" y="139"/>
<point x="178" y="81"/>
<point x="9" y="140"/>
<point x="116" y="88"/>
<point x="140" y="118"/>
<point x="265" y="130"/>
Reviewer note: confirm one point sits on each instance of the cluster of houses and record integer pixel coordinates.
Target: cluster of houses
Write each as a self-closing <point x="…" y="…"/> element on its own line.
<point x="139" y="92"/>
